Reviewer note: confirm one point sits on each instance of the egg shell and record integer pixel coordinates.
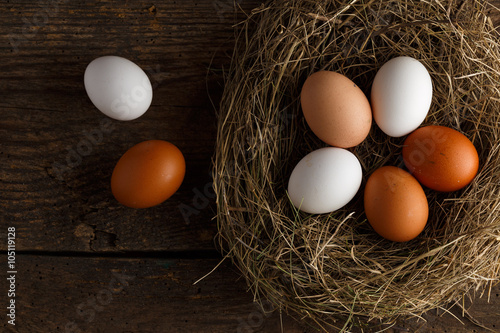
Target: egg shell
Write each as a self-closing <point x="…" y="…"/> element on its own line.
<point x="148" y="174"/>
<point x="395" y="204"/>
<point x="401" y="96"/>
<point x="118" y="88"/>
<point x="336" y="109"/>
<point x="324" y="180"/>
<point x="441" y="158"/>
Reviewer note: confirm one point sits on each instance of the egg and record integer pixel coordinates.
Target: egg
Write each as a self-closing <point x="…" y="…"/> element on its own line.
<point x="148" y="174"/>
<point x="401" y="96"/>
<point x="336" y="109"/>
<point x="324" y="180"/>
<point x="441" y="158"/>
<point x="118" y="88"/>
<point x="395" y="204"/>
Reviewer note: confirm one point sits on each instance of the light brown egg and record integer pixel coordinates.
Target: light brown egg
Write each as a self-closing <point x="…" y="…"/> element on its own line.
<point x="395" y="204"/>
<point x="336" y="109"/>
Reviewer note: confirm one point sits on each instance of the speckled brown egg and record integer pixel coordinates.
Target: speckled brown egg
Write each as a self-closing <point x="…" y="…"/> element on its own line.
<point x="441" y="158"/>
<point x="336" y="109"/>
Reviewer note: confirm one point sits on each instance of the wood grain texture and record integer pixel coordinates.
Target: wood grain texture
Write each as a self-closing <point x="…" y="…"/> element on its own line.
<point x="63" y="294"/>
<point x="101" y="295"/>
<point x="55" y="180"/>
<point x="75" y="240"/>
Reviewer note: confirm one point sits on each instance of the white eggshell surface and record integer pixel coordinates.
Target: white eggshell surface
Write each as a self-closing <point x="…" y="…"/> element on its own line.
<point x="401" y="96"/>
<point x="325" y="180"/>
<point x="118" y="87"/>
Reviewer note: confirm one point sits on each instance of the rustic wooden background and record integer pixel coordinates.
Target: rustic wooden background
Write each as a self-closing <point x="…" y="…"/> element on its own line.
<point x="84" y="262"/>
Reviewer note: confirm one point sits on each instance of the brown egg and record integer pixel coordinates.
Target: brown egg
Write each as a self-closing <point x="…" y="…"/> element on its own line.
<point x="441" y="158"/>
<point x="395" y="204"/>
<point x="336" y="109"/>
<point x="148" y="174"/>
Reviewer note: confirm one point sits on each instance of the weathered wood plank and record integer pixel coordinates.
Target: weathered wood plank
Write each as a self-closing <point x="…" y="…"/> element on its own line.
<point x="158" y="295"/>
<point x="56" y="158"/>
<point x="60" y="199"/>
<point x="67" y="294"/>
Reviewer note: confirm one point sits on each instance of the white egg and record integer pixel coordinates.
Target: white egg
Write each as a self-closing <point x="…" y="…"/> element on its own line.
<point x="325" y="180"/>
<point x="401" y="96"/>
<point x="118" y="88"/>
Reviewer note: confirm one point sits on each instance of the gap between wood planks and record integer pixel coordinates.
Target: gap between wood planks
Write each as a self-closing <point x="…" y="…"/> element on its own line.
<point x="195" y="254"/>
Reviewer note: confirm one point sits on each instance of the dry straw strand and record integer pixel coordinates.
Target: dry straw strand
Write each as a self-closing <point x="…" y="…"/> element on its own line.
<point x="323" y="267"/>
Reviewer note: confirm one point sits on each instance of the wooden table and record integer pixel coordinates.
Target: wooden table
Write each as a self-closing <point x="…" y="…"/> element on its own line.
<point x="83" y="262"/>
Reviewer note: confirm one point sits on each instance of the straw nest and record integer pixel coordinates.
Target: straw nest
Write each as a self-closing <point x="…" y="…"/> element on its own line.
<point x="334" y="265"/>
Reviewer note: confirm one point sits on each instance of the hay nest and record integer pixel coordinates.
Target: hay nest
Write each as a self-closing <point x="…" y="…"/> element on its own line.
<point x="334" y="265"/>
